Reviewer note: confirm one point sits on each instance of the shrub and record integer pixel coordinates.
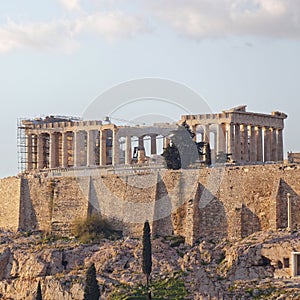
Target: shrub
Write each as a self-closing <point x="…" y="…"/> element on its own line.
<point x="91" y="290"/>
<point x="93" y="229"/>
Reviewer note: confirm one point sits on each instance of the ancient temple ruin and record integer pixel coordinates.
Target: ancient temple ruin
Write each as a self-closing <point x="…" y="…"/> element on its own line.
<point x="63" y="142"/>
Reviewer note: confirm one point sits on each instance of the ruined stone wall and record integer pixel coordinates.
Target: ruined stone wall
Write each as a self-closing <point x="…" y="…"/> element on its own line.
<point x="10" y="189"/>
<point x="230" y="202"/>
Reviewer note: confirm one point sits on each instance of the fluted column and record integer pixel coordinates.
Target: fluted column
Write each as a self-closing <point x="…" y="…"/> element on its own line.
<point x="273" y="145"/>
<point x="221" y="139"/>
<point x="206" y="134"/>
<point x="279" y="145"/>
<point x="253" y="145"/>
<point x="77" y="148"/>
<point x="245" y="153"/>
<point x="115" y="148"/>
<point x="40" y="151"/>
<point x="153" y="144"/>
<point x="237" y="142"/>
<point x="259" y="144"/>
<point x="53" y="151"/>
<point x="231" y="148"/>
<point x="29" y="152"/>
<point x="267" y="144"/>
<point x="141" y="141"/>
<point x="166" y="142"/>
<point x="91" y="157"/>
<point x="64" y="150"/>
<point x="128" y="150"/>
<point x="103" y="159"/>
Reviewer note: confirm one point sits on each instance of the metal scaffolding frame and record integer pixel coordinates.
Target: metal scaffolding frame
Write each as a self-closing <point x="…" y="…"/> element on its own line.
<point x="21" y="145"/>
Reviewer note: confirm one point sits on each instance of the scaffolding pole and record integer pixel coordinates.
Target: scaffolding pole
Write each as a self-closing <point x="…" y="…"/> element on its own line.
<point x="21" y="145"/>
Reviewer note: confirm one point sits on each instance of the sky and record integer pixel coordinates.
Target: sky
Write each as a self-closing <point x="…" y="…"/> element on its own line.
<point x="57" y="56"/>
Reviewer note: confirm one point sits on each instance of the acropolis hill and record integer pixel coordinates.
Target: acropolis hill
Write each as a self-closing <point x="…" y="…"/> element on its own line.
<point x="239" y="218"/>
<point x="75" y="168"/>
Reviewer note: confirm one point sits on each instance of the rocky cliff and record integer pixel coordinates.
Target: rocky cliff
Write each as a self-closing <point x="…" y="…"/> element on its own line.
<point x="245" y="269"/>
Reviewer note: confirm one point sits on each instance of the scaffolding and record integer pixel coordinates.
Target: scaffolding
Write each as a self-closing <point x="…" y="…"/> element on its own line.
<point x="21" y="145"/>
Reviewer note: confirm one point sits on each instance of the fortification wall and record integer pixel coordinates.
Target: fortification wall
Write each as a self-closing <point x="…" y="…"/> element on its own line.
<point x="230" y="202"/>
<point x="10" y="190"/>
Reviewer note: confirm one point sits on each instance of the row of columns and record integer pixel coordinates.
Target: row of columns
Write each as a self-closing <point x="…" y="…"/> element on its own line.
<point x="246" y="142"/>
<point x="53" y="150"/>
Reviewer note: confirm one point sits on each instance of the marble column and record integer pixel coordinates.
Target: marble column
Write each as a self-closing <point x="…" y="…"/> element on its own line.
<point x="237" y="143"/>
<point x="206" y="134"/>
<point x="153" y="144"/>
<point x="40" y="151"/>
<point x="259" y="144"/>
<point x="273" y="145"/>
<point x="245" y="152"/>
<point x="279" y="145"/>
<point x="267" y="144"/>
<point x="289" y="211"/>
<point x="65" y="150"/>
<point x="77" y="148"/>
<point x="103" y="160"/>
<point x="29" y="151"/>
<point x="54" y="151"/>
<point x="91" y="145"/>
<point x="166" y="142"/>
<point x="253" y="145"/>
<point x="221" y="139"/>
<point x="141" y="141"/>
<point x="231" y="144"/>
<point x="115" y="148"/>
<point x="128" y="150"/>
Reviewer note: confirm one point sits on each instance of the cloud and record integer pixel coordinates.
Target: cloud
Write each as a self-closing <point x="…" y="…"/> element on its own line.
<point x="218" y="18"/>
<point x="40" y="36"/>
<point x="112" y="25"/>
<point x="62" y="35"/>
<point x="72" y="5"/>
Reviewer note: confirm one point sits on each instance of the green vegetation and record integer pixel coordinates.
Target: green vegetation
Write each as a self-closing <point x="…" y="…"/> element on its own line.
<point x="170" y="288"/>
<point x="147" y="254"/>
<point x="91" y="290"/>
<point x="93" y="229"/>
<point x="39" y="292"/>
<point x="183" y="151"/>
<point x="175" y="240"/>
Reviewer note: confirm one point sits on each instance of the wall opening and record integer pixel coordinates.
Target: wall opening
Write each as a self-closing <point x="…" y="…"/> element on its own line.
<point x="295" y="263"/>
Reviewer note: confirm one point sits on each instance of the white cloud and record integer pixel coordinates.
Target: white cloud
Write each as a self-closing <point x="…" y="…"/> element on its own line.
<point x="192" y="18"/>
<point x="112" y="25"/>
<point x="62" y="35"/>
<point x="40" y="36"/>
<point x="72" y="5"/>
<point x="219" y="18"/>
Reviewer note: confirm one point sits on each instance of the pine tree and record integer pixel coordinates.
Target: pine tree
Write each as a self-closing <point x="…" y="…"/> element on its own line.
<point x="147" y="254"/>
<point x="91" y="291"/>
<point x="39" y="292"/>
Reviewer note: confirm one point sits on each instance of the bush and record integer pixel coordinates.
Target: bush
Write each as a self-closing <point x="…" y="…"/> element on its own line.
<point x="169" y="288"/>
<point x="93" y="229"/>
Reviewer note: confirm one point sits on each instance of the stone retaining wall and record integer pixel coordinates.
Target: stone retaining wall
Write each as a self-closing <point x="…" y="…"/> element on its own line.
<point x="230" y="202"/>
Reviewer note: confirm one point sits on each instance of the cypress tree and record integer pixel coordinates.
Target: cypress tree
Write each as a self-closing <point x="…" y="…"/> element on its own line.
<point x="91" y="290"/>
<point x="147" y="254"/>
<point x="39" y="292"/>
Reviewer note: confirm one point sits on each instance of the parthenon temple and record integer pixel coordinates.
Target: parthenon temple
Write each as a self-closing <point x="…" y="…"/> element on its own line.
<point x="62" y="142"/>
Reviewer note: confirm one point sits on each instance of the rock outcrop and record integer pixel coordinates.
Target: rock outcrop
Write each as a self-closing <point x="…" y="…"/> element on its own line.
<point x="244" y="269"/>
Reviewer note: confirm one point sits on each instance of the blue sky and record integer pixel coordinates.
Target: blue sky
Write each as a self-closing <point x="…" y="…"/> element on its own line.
<point x="57" y="56"/>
